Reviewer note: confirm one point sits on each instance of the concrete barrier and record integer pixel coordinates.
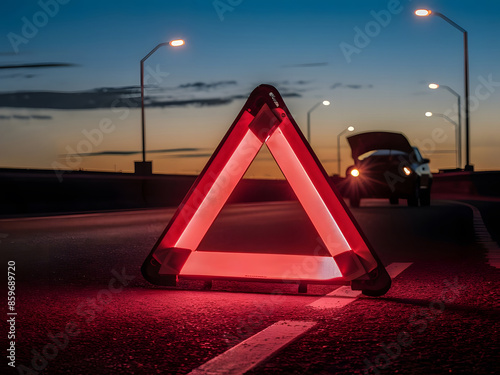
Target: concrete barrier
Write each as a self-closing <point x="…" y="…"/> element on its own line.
<point x="27" y="192"/>
<point x="484" y="184"/>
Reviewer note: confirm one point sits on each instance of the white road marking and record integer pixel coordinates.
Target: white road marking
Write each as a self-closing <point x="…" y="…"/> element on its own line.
<point x="344" y="295"/>
<point x="261" y="346"/>
<point x="254" y="350"/>
<point x="337" y="299"/>
<point x="483" y="236"/>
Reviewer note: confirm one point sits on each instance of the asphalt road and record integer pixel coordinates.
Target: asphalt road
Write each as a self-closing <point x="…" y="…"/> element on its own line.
<point x="83" y="307"/>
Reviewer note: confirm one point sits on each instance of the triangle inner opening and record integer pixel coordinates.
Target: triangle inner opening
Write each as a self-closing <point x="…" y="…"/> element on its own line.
<point x="271" y="219"/>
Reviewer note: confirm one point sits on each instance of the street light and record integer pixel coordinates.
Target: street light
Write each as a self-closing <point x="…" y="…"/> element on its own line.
<point x="348" y="129"/>
<point x="177" y="42"/>
<point x="435" y="86"/>
<point x="430" y="114"/>
<point x="425" y="13"/>
<point x="146" y="167"/>
<point x="325" y="103"/>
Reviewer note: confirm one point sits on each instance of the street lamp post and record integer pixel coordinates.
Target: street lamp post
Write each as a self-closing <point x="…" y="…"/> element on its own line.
<point x="425" y="13"/>
<point x="350" y="129"/>
<point x="457" y="132"/>
<point x="146" y="167"/>
<point x="324" y="102"/>
<point x="434" y="86"/>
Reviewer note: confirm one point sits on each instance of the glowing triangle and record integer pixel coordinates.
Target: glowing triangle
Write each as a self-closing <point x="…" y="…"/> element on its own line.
<point x="265" y="119"/>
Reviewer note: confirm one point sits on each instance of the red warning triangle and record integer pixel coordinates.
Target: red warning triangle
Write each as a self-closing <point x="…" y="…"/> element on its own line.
<point x="265" y="119"/>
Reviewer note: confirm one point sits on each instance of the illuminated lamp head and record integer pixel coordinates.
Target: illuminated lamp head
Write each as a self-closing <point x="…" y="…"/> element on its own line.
<point x="354" y="172"/>
<point x="423" y="12"/>
<point x="407" y="170"/>
<point x="177" y="42"/>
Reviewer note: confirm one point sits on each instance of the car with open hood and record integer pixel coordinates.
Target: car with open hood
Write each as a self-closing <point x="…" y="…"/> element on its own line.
<point x="387" y="166"/>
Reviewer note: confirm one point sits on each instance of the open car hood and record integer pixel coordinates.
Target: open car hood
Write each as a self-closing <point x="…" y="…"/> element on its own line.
<point x="371" y="141"/>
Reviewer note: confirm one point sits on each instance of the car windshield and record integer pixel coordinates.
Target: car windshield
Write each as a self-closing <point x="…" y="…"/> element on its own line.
<point x="417" y="154"/>
<point x="376" y="153"/>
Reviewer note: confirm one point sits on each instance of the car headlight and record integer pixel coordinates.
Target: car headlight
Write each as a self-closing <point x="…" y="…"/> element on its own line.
<point x="407" y="170"/>
<point x="354" y="172"/>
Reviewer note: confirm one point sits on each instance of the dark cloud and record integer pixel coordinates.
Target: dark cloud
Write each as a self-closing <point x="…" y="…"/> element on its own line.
<point x="192" y="102"/>
<point x="119" y="153"/>
<point x="126" y="153"/>
<point x="288" y="85"/>
<point x="30" y="66"/>
<point x="24" y="117"/>
<point x="41" y="117"/>
<point x="306" y="65"/>
<point x="172" y="150"/>
<point x="203" y="86"/>
<point x="291" y="95"/>
<point x="38" y="65"/>
<point x="17" y="75"/>
<point x="119" y="90"/>
<point x="287" y="89"/>
<point x="351" y="86"/>
<point x="99" y="98"/>
<point x="113" y="97"/>
<point x="129" y="96"/>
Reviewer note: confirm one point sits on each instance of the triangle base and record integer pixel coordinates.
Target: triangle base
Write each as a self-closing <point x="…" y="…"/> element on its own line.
<point x="278" y="268"/>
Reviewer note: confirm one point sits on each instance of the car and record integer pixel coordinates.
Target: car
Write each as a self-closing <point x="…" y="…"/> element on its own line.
<point x="387" y="166"/>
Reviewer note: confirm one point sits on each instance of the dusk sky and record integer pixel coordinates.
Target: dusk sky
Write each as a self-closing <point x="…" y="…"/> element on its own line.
<point x="372" y="59"/>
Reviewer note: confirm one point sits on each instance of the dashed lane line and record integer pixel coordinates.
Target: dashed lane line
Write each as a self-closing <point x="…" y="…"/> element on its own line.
<point x="337" y="299"/>
<point x="254" y="350"/>
<point x="344" y="295"/>
<point x="261" y="346"/>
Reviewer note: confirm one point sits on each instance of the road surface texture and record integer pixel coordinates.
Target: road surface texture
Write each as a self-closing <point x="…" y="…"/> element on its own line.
<point x="83" y="307"/>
